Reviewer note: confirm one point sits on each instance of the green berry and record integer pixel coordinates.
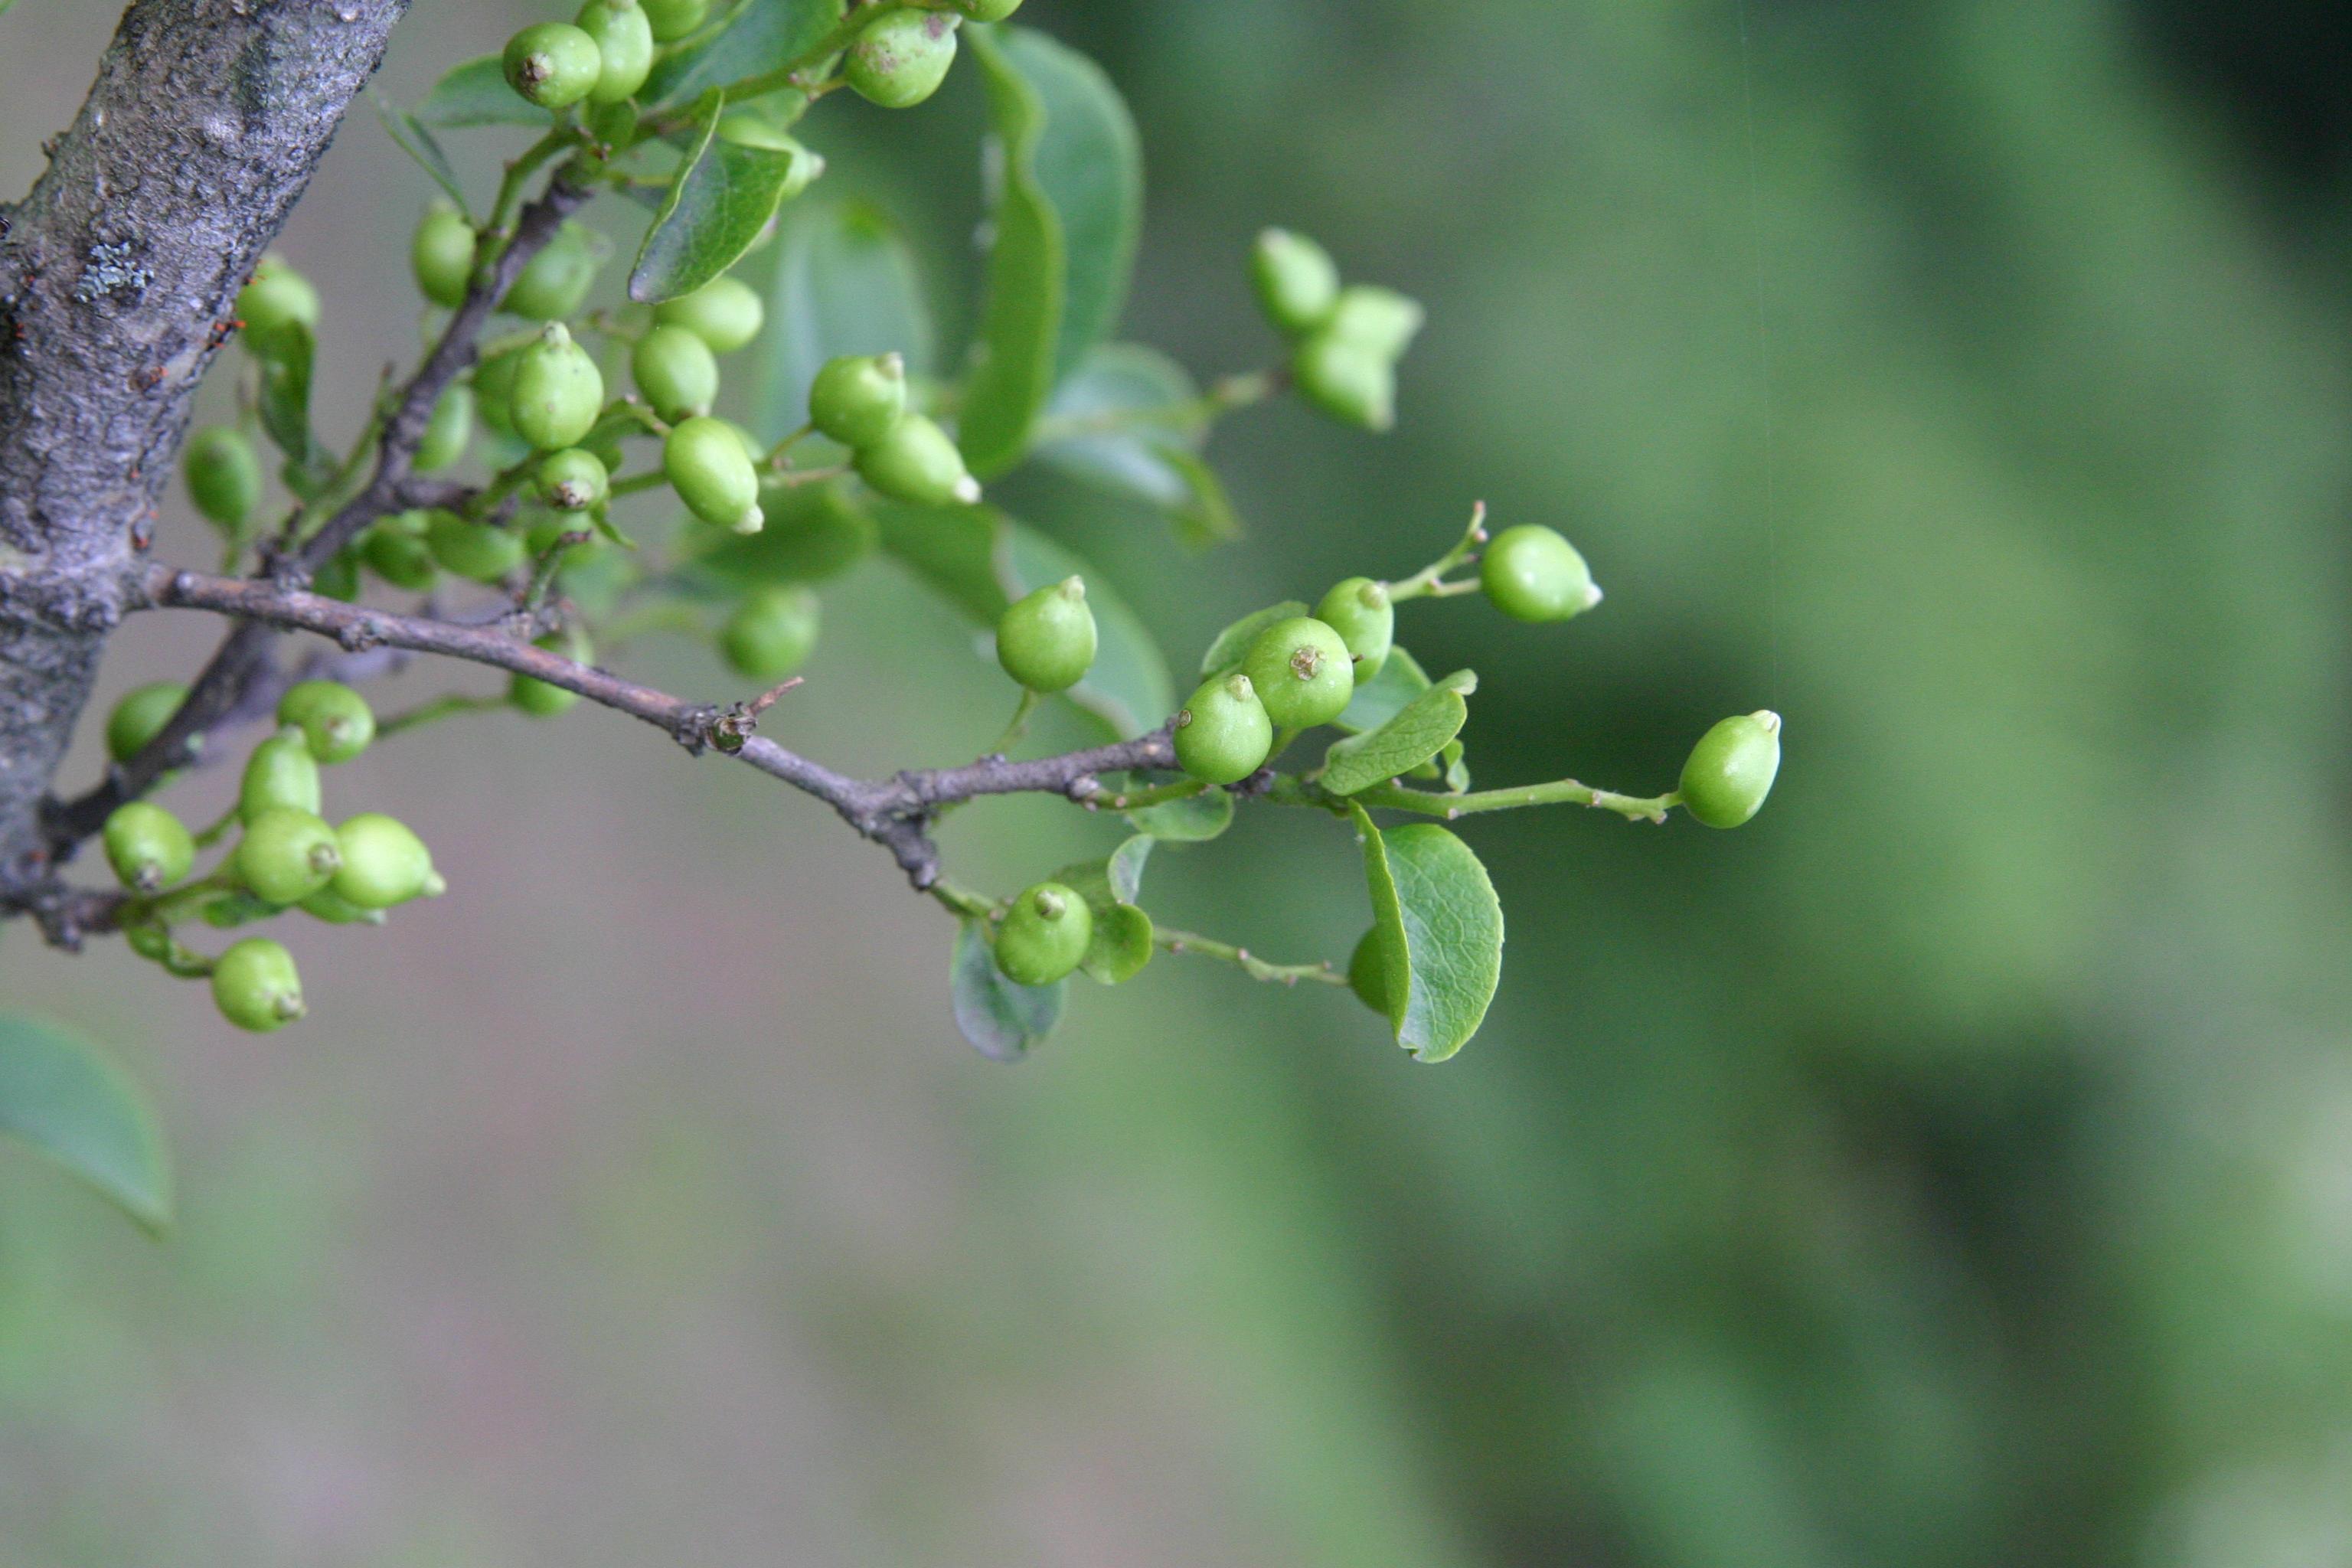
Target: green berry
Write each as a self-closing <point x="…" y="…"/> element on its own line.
<point x="917" y="462"/>
<point x="1047" y="640"/>
<point x="339" y="579"/>
<point x="725" y="312"/>
<point x="673" y="19"/>
<point x="554" y="284"/>
<point x="623" y="37"/>
<point x="771" y="633"/>
<point x="707" y="464"/>
<point x="442" y="255"/>
<point x="148" y="847"/>
<point x="383" y="864"/>
<point x="858" y="398"/>
<point x="1358" y="608"/>
<point x="1380" y="322"/>
<point x="1731" y="768"/>
<point x="1045" y="935"/>
<point x="140" y="716"/>
<point x="280" y="775"/>
<point x="479" y="551"/>
<point x="1302" y="669"/>
<point x="1531" y="574"/>
<point x="286" y="855"/>
<point x="255" y="986"/>
<point x="558" y="392"/>
<point x="544" y="698"/>
<point x="574" y="479"/>
<point x="1347" y="381"/>
<point x="399" y="556"/>
<point x="336" y="721"/>
<point x="1297" y="282"/>
<point x="1222" y="733"/>
<point x="447" y="433"/>
<point x="675" y="371"/>
<point x="494" y="391"/>
<point x="1368" y="973"/>
<point x="224" y="475"/>
<point x="554" y="64"/>
<point x="277" y="297"/>
<point x="901" y="58"/>
<point x="332" y="907"/>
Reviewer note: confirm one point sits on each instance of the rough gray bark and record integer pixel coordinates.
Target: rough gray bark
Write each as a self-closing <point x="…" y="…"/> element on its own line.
<point x="117" y="276"/>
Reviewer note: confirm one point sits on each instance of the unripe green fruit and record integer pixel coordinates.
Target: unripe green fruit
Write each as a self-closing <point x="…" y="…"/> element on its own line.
<point x="1047" y="640"/>
<point x="140" y="716"/>
<point x="1731" y="768"/>
<point x="725" y="312"/>
<point x="1358" y="609"/>
<point x="1379" y="320"/>
<point x="1347" y="381"/>
<point x="1297" y="283"/>
<point x="224" y="475"/>
<point x="339" y="579"/>
<point x="1302" y="669"/>
<point x="478" y="551"/>
<point x="276" y="298"/>
<point x="771" y="633"/>
<point x="280" y="775"/>
<point x="554" y="64"/>
<point x="675" y="371"/>
<point x="544" y="698"/>
<point x="494" y="391"/>
<point x="554" y="284"/>
<point x="402" y="559"/>
<point x="1223" y="734"/>
<point x="442" y="255"/>
<point x="1045" y="935"/>
<point x="917" y="462"/>
<point x="286" y="855"/>
<point x="1368" y="973"/>
<point x="986" y="10"/>
<point x="901" y="58"/>
<point x="623" y="37"/>
<point x="856" y="399"/>
<point x="707" y="465"/>
<point x="336" y="721"/>
<point x="447" y="433"/>
<point x="558" y="392"/>
<point x="148" y="847"/>
<point x="574" y="479"/>
<point x="256" y="985"/>
<point x="673" y="19"/>
<point x="383" y="863"/>
<point x="1531" y="574"/>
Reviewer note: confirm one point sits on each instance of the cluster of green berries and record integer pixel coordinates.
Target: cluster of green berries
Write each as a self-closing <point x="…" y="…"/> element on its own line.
<point x="1345" y="340"/>
<point x="286" y="855"/>
<point x="860" y="400"/>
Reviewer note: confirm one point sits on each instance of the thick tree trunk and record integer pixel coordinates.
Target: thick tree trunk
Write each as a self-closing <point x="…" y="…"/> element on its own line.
<point x="117" y="276"/>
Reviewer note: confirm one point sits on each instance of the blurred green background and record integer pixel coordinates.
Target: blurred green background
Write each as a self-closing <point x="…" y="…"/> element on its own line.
<point x="1952" y="1167"/>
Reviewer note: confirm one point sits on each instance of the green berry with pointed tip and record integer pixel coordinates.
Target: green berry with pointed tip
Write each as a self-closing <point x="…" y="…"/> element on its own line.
<point x="1531" y="574"/>
<point x="280" y="775"/>
<point x="442" y="256"/>
<point x="771" y="633"/>
<point x="558" y="392"/>
<point x="544" y="698"/>
<point x="336" y="721"/>
<point x="1731" y="768"/>
<point x="480" y="551"/>
<point x="448" y="432"/>
<point x="224" y="475"/>
<point x="148" y="847"/>
<point x="256" y="985"/>
<point x="623" y="37"/>
<point x="673" y="19"/>
<point x="1046" y="639"/>
<point x="553" y="64"/>
<point x="856" y="399"/>
<point x="1297" y="283"/>
<point x="1380" y="322"/>
<point x="1358" y="609"/>
<point x="286" y="855"/>
<point x="725" y="312"/>
<point x="917" y="462"/>
<point x="401" y="558"/>
<point x="277" y="297"/>
<point x="1345" y="381"/>
<point x="706" y="463"/>
<point x="140" y="716"/>
<point x="1045" y="935"/>
<point x="1368" y="973"/>
<point x="554" y="284"/>
<point x="383" y="863"/>
<point x="574" y="479"/>
<point x="675" y="371"/>
<point x="1302" y="669"/>
<point x="901" y="58"/>
<point x="1222" y="733"/>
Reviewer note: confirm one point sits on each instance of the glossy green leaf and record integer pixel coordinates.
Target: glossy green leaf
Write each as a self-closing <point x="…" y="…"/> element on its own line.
<point x="1195" y="819"/>
<point x="1013" y="353"/>
<point x="1127" y="421"/>
<point x="1123" y="943"/>
<point x="813" y="532"/>
<point x="845" y="284"/>
<point x="1001" y="1018"/>
<point x="1385" y="695"/>
<point x="724" y="194"/>
<point x="1226" y="650"/>
<point x="76" y="1105"/>
<point x="1418" y="734"/>
<point x="764" y="36"/>
<point x="285" y="368"/>
<point x="476" y="93"/>
<point x="1440" y="929"/>
<point x="411" y="137"/>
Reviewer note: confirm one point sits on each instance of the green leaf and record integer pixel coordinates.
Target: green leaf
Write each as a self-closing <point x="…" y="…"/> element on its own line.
<point x="285" y="364"/>
<point x="1234" y="641"/>
<point x="813" y="532"/>
<point x="1385" y="695"/>
<point x="476" y="93"/>
<point x="1001" y="1018"/>
<point x="1124" y="870"/>
<point x="1127" y="421"/>
<point x="1420" y="732"/>
<point x="1195" y="819"/>
<point x="1440" y="930"/>
<point x="1021" y="312"/>
<point x="1121" y="945"/>
<point x="73" y="1103"/>
<point x="845" y="284"/>
<point x="723" y="196"/>
<point x="412" y="138"/>
<point x="764" y="36"/>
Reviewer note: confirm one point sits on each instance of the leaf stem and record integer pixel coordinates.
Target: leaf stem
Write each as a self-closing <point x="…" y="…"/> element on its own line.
<point x="1257" y="968"/>
<point x="1428" y="582"/>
